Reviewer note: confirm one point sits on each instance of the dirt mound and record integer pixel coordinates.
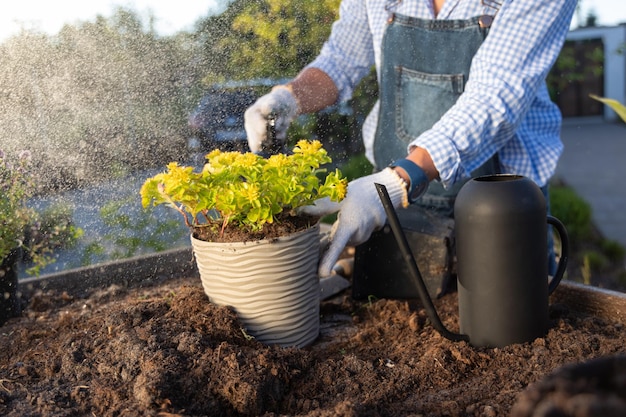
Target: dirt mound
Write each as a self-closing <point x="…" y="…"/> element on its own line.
<point x="593" y="388"/>
<point x="166" y="350"/>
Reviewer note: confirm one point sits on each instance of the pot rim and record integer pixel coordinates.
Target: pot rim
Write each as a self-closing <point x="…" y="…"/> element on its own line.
<point x="311" y="229"/>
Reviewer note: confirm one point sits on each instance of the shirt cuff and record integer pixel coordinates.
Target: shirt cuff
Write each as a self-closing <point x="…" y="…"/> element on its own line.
<point x="444" y="154"/>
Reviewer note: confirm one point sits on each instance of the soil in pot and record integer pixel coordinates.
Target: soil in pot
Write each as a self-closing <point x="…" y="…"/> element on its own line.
<point x="284" y="224"/>
<point x="164" y="350"/>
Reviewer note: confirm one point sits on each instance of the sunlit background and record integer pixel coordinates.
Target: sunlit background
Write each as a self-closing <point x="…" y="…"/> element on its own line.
<point x="48" y="17"/>
<point x="172" y="16"/>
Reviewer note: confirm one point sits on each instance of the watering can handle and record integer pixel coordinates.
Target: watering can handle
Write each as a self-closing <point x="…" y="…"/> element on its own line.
<point x="560" y="228"/>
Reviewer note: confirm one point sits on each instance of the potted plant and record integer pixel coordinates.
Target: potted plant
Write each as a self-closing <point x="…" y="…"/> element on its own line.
<point x="254" y="251"/>
<point x="21" y="230"/>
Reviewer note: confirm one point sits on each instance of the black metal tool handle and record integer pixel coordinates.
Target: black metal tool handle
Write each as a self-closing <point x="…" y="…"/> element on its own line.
<point x="416" y="276"/>
<point x="272" y="145"/>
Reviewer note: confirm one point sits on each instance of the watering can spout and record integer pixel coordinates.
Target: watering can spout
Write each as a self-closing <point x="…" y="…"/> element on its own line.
<point x="415" y="274"/>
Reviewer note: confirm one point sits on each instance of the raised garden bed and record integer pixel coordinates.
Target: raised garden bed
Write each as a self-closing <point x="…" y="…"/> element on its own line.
<point x="163" y="349"/>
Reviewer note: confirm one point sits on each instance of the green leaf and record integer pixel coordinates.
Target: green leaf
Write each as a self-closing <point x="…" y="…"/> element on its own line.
<point x="618" y="107"/>
<point x="245" y="189"/>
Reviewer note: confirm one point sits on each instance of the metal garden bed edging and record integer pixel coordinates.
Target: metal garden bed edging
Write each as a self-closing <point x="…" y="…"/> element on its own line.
<point x="136" y="271"/>
<point x="160" y="267"/>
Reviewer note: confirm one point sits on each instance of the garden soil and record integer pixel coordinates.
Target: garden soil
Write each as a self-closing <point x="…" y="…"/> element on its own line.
<point x="165" y="350"/>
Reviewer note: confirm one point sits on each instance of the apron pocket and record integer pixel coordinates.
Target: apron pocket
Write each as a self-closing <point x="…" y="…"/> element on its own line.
<point x="433" y="93"/>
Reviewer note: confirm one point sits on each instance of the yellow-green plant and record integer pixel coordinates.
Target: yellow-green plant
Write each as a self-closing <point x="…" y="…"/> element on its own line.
<point x="16" y="185"/>
<point x="22" y="227"/>
<point x="618" y="107"/>
<point x="246" y="189"/>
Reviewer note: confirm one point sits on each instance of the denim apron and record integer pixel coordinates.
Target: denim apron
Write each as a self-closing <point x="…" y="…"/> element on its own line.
<point x="425" y="65"/>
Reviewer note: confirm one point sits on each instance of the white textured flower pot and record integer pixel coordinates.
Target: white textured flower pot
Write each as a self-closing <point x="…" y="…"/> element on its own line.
<point x="272" y="284"/>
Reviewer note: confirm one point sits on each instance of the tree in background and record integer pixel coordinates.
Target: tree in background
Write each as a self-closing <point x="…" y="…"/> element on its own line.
<point x="282" y="35"/>
<point x="259" y="39"/>
<point x="577" y="72"/>
<point x="213" y="56"/>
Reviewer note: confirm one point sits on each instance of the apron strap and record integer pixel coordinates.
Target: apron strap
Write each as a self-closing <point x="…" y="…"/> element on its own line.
<point x="490" y="10"/>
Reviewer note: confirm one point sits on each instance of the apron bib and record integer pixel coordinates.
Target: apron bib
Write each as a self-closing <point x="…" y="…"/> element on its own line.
<point x="425" y="65"/>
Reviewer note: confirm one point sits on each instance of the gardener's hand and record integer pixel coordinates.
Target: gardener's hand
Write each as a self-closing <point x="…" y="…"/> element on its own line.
<point x="281" y="103"/>
<point x="361" y="212"/>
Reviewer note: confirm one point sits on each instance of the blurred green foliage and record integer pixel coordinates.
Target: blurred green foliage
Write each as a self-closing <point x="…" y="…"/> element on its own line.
<point x="573" y="211"/>
<point x="593" y="251"/>
<point x="574" y="65"/>
<point x="271" y="39"/>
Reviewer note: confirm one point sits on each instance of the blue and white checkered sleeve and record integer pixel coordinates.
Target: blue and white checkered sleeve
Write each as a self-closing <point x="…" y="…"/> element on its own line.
<point x="507" y="74"/>
<point x="348" y="54"/>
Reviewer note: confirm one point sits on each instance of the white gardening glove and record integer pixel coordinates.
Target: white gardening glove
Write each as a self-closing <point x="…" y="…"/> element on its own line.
<point x="279" y="102"/>
<point x="360" y="214"/>
<point x="320" y="208"/>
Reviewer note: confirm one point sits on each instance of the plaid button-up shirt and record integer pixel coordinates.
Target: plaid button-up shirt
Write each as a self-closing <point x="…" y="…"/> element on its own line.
<point x="505" y="107"/>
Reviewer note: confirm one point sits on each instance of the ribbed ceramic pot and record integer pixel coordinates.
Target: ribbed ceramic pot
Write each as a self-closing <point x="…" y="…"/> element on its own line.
<point x="272" y="284"/>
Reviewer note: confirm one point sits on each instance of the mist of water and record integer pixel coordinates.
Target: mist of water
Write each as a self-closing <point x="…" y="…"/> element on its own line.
<point x="101" y="106"/>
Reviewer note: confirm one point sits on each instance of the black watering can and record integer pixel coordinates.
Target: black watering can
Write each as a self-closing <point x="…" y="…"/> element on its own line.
<point x="502" y="261"/>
